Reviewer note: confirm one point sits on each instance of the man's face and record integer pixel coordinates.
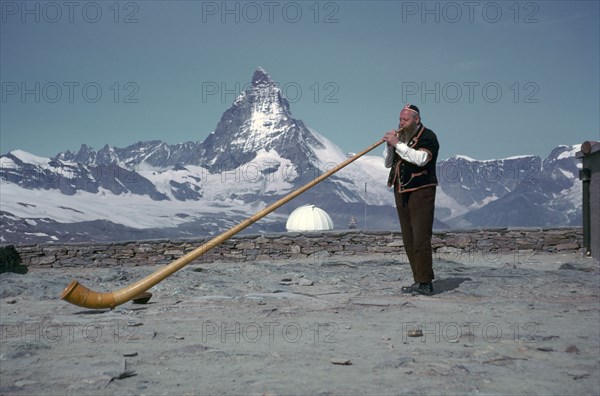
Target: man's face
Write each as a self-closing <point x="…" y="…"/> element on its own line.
<point x="408" y="119"/>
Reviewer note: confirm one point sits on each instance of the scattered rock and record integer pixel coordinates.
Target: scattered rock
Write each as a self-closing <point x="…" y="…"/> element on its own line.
<point x="142" y="298"/>
<point x="545" y="349"/>
<point x="576" y="267"/>
<point x="567" y="246"/>
<point x="540" y="338"/>
<point x="415" y="333"/>
<point x="306" y="282"/>
<point x="461" y="367"/>
<point x="124" y="373"/>
<point x="501" y="361"/>
<point x="341" y="362"/>
<point x="572" y="349"/>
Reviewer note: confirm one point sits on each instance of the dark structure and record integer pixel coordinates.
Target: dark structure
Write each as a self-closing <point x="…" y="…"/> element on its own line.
<point x="590" y="176"/>
<point x="352" y="224"/>
<point x="10" y="260"/>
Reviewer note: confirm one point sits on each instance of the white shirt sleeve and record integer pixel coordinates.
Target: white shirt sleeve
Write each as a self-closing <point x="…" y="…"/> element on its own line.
<point x="389" y="156"/>
<point x="417" y="157"/>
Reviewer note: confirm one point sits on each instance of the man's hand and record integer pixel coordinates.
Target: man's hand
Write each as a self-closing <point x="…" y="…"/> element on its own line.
<point x="391" y="138"/>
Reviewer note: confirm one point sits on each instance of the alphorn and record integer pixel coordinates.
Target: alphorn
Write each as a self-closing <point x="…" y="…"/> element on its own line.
<point x="77" y="294"/>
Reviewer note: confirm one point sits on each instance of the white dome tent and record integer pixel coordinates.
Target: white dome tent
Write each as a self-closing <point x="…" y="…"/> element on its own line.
<point x="309" y="218"/>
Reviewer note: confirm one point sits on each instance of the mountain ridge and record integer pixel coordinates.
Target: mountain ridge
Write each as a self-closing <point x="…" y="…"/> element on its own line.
<point x="257" y="154"/>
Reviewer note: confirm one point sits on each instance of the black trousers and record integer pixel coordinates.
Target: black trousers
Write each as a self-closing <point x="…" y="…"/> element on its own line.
<point x="416" y="223"/>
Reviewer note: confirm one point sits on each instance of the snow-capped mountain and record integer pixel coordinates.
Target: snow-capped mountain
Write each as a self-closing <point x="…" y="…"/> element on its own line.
<point x="257" y="154"/>
<point x="259" y="122"/>
<point x="537" y="192"/>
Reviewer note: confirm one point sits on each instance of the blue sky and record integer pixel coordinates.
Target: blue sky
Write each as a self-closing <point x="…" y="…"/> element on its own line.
<point x="492" y="79"/>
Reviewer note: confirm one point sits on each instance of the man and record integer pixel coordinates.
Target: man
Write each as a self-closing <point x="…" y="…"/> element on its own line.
<point x="412" y="154"/>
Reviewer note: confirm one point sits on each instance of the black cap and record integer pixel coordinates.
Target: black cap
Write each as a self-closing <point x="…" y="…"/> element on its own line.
<point x="412" y="107"/>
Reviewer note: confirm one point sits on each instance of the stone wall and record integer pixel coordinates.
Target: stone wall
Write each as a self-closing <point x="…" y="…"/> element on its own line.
<point x="273" y="247"/>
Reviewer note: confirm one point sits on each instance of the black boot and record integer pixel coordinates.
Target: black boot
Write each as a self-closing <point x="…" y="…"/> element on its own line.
<point x="409" y="289"/>
<point x="425" y="289"/>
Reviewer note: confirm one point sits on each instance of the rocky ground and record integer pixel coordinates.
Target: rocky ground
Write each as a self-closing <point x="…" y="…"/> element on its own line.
<point x="501" y="324"/>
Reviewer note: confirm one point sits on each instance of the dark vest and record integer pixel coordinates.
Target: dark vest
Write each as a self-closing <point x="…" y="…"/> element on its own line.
<point x="406" y="176"/>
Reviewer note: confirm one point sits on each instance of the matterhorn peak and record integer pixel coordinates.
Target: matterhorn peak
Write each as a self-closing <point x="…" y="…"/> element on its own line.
<point x="261" y="77"/>
<point x="259" y="120"/>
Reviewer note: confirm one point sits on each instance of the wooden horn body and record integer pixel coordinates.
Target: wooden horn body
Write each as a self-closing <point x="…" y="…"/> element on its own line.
<point x="77" y="294"/>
